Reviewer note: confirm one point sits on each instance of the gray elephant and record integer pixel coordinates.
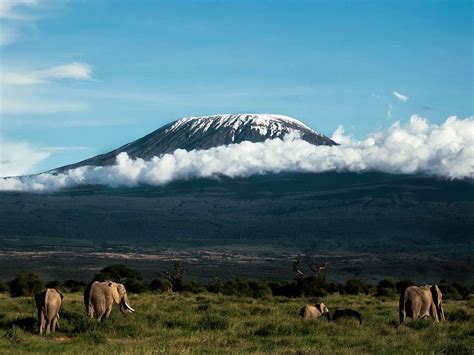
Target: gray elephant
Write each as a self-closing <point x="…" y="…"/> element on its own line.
<point x="421" y="302"/>
<point x="309" y="311"/>
<point x="48" y="302"/>
<point x="100" y="296"/>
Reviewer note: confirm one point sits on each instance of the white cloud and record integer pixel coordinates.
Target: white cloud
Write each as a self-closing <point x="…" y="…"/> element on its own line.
<point x="401" y="97"/>
<point x="12" y="9"/>
<point x="75" y="71"/>
<point x="445" y="150"/>
<point x="18" y="158"/>
<point x="14" y="15"/>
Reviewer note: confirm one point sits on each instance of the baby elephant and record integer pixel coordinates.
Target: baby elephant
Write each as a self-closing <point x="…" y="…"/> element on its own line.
<point x="48" y="302"/>
<point x="312" y="312"/>
<point x="345" y="314"/>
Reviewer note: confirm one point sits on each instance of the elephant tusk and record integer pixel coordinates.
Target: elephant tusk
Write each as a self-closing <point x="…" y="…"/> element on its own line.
<point x="128" y="307"/>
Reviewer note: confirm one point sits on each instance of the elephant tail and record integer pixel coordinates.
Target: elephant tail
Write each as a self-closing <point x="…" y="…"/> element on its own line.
<point x="401" y="308"/>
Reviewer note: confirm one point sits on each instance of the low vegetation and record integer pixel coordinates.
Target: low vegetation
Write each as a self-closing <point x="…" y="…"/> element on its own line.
<point x="235" y="316"/>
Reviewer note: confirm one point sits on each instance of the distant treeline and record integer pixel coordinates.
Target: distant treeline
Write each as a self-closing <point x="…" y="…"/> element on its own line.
<point x="29" y="283"/>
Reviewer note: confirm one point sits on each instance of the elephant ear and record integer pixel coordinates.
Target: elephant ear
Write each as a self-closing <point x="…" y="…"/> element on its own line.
<point x="319" y="307"/>
<point x="115" y="292"/>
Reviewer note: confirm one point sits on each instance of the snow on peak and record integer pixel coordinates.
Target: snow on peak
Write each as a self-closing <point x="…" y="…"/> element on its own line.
<point x="265" y="124"/>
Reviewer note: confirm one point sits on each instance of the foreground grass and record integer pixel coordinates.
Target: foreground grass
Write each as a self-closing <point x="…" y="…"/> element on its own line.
<point x="182" y="323"/>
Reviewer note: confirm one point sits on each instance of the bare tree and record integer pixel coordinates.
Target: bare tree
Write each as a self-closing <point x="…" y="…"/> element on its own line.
<point x="173" y="275"/>
<point x="316" y="268"/>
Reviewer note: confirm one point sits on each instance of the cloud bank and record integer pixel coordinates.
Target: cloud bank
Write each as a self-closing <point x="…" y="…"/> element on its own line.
<point x="445" y="150"/>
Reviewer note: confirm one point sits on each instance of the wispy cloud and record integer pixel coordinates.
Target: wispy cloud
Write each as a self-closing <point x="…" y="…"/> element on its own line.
<point x="63" y="149"/>
<point x="401" y="97"/>
<point x="13" y="9"/>
<point x="74" y="71"/>
<point x="15" y="15"/>
<point x="31" y="106"/>
<point x="389" y="111"/>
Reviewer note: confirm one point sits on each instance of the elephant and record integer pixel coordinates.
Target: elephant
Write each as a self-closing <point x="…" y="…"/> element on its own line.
<point x="48" y="302"/>
<point x="309" y="311"/>
<point x="346" y="314"/>
<point x="100" y="296"/>
<point x="421" y="302"/>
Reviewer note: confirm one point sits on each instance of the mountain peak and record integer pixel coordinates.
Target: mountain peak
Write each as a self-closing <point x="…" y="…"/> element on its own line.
<point x="267" y="125"/>
<point x="205" y="132"/>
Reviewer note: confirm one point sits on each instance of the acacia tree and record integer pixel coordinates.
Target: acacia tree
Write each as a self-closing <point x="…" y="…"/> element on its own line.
<point x="173" y="277"/>
<point x="309" y="280"/>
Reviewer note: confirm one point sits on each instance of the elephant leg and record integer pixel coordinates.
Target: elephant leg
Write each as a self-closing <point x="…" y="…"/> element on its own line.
<point x="434" y="313"/>
<point x="41" y="321"/>
<point x="48" y="326"/>
<point x="402" y="316"/>
<point x="54" y="323"/>
<point x="107" y="312"/>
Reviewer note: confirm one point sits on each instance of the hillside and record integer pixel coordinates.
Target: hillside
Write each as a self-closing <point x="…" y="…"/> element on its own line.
<point x="367" y="225"/>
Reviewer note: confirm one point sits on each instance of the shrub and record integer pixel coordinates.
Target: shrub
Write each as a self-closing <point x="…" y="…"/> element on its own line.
<point x="4" y="287"/>
<point x="353" y="286"/>
<point x="386" y="288"/>
<point x="403" y="284"/>
<point x="454" y="290"/>
<point x="158" y="284"/>
<point x="26" y="284"/>
<point x="194" y="287"/>
<point x="260" y="289"/>
<point x="313" y="286"/>
<point x="134" y="285"/>
<point x="53" y="284"/>
<point x="117" y="273"/>
<point x="286" y="289"/>
<point x="74" y="286"/>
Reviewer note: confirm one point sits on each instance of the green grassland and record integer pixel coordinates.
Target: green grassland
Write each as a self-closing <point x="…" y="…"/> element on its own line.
<point x="213" y="323"/>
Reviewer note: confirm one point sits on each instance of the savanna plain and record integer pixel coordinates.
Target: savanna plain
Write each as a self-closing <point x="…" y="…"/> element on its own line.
<point x="214" y="323"/>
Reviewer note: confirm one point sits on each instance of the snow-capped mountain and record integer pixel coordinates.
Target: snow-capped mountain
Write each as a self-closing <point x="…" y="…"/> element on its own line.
<point x="209" y="131"/>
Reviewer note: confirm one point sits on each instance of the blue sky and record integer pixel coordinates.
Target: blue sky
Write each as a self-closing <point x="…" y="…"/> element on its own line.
<point x="79" y="78"/>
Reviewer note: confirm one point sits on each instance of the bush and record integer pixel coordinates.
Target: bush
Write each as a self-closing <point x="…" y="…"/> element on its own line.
<point x="194" y="287"/>
<point x="313" y="286"/>
<point x="158" y="284"/>
<point x="353" y="286"/>
<point x="260" y="289"/>
<point x="386" y="288"/>
<point x="117" y="273"/>
<point x="402" y="285"/>
<point x="74" y="286"/>
<point x="4" y="287"/>
<point x="26" y="284"/>
<point x="454" y="290"/>
<point x="53" y="284"/>
<point x="134" y="285"/>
